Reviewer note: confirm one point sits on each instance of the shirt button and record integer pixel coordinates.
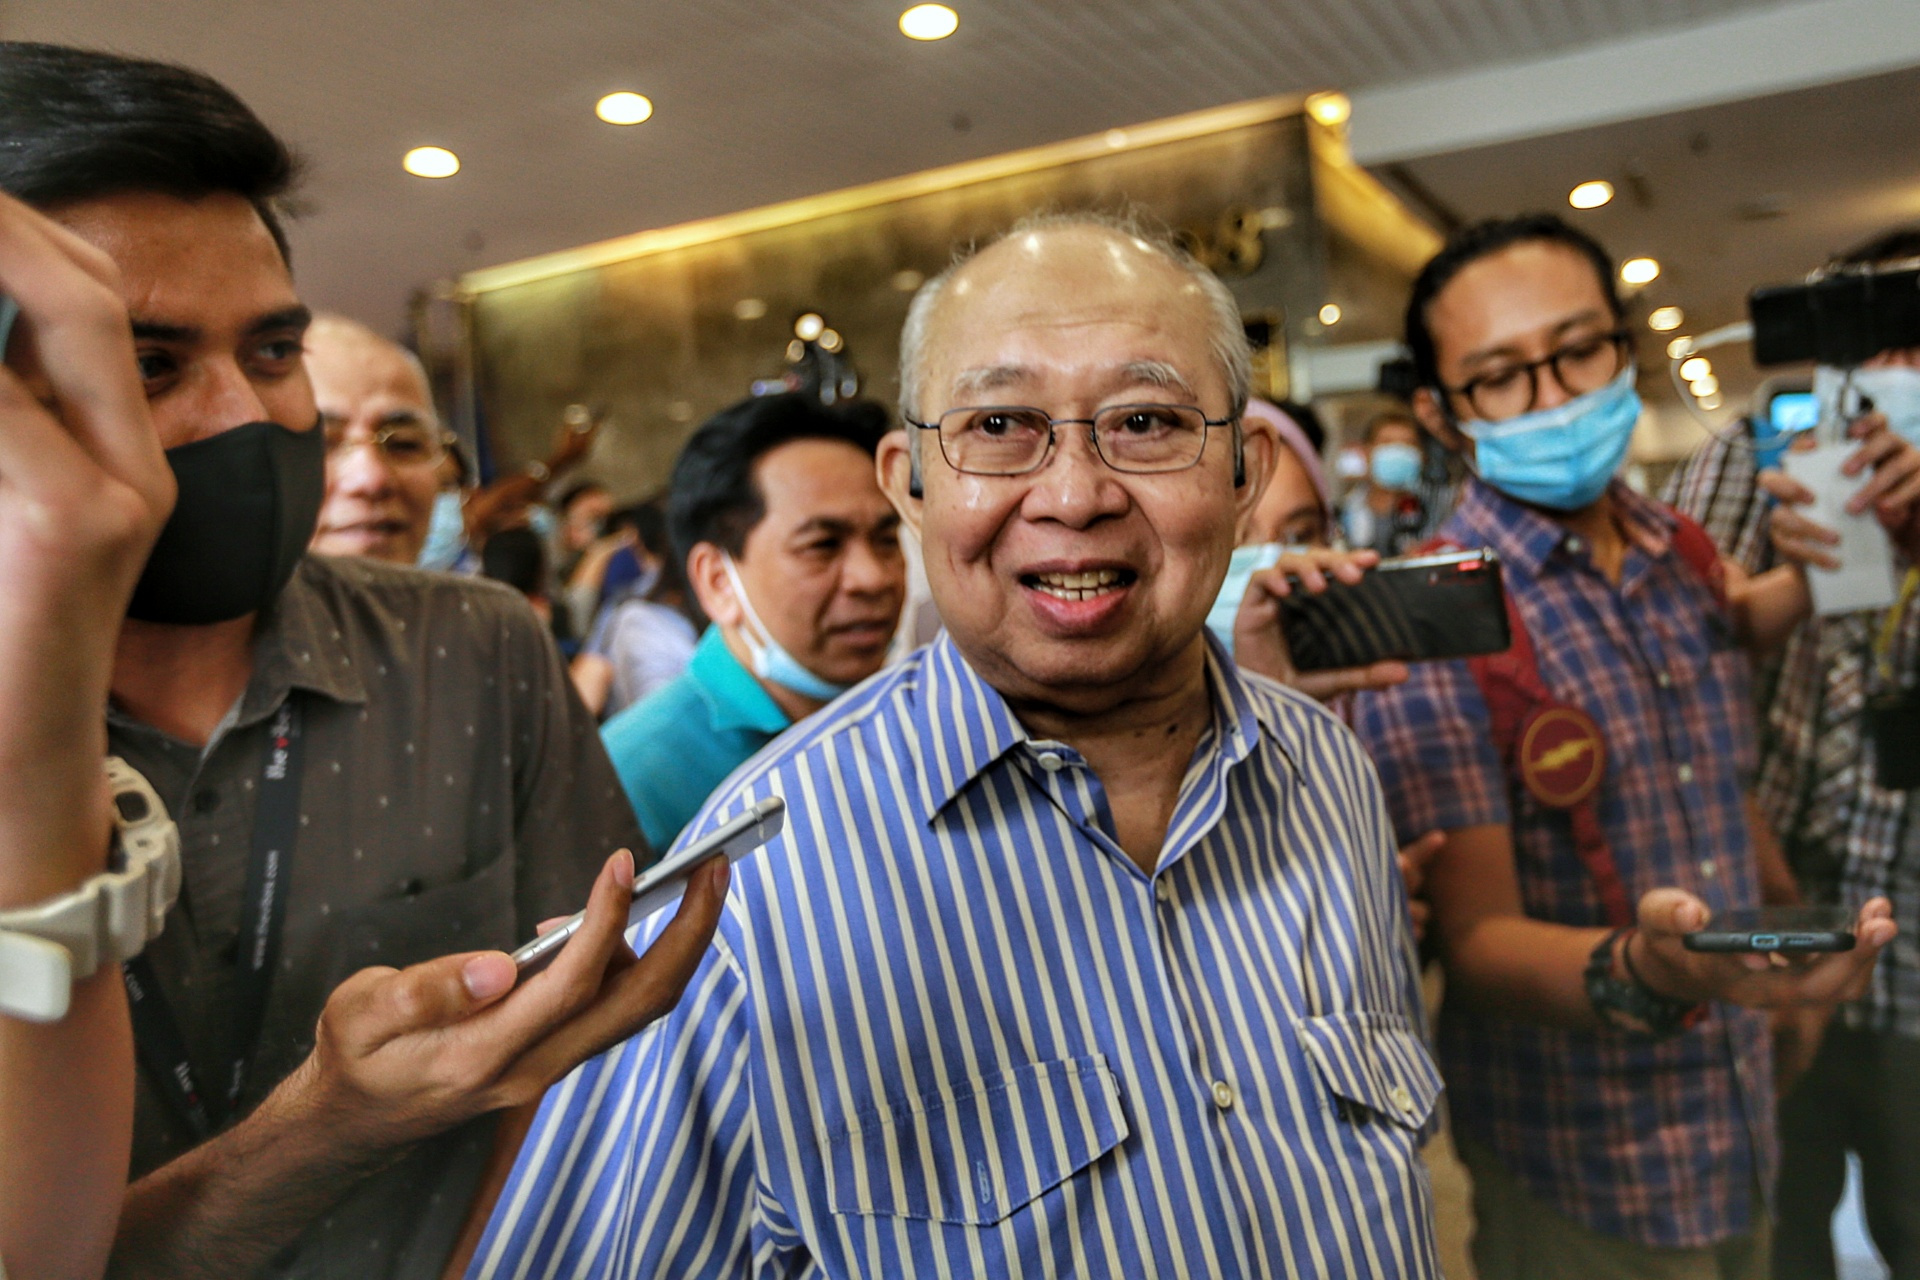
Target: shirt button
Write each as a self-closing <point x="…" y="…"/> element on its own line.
<point x="1051" y="761"/>
<point x="1708" y="870"/>
<point x="1664" y="680"/>
<point x="1401" y="1098"/>
<point x="1222" y="1095"/>
<point x="1576" y="544"/>
<point x="1163" y="889"/>
<point x="1684" y="773"/>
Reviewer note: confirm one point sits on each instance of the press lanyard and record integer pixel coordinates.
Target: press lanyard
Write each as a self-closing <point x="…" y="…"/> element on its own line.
<point x="1890" y="627"/>
<point x="162" y="1047"/>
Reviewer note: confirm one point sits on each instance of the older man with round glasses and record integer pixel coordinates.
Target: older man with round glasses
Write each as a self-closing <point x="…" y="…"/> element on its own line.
<point x="1083" y="953"/>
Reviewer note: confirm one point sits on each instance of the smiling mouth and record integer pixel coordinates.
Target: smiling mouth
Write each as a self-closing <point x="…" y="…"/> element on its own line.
<point x="1090" y="585"/>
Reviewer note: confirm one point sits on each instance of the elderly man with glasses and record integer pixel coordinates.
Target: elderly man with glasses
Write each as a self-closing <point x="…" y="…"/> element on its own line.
<point x="1083" y="952"/>
<point x="1613" y="1102"/>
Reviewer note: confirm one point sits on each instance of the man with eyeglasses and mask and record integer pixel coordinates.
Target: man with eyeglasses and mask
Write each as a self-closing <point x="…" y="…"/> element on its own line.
<point x="1612" y="1097"/>
<point x="1083" y="953"/>
<point x="369" y="766"/>
<point x="1842" y="707"/>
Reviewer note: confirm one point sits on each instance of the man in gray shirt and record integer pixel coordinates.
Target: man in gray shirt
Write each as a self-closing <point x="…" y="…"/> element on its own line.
<point x="369" y="766"/>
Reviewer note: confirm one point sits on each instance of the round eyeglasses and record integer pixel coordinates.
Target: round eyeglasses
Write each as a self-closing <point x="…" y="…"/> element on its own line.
<point x="1011" y="440"/>
<point x="1583" y="365"/>
<point x="402" y="444"/>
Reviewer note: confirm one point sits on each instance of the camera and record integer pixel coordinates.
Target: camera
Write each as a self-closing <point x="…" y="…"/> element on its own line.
<point x="1841" y="319"/>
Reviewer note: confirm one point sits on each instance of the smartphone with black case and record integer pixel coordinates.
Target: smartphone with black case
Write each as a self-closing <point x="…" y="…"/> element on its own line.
<point x="1412" y="609"/>
<point x="1790" y="930"/>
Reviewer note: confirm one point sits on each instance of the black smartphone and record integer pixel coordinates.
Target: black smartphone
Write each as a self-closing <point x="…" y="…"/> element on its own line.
<point x="1412" y="609"/>
<point x="1785" y="929"/>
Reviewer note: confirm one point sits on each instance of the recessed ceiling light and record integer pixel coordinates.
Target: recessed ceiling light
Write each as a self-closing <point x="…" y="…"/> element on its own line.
<point x="1666" y="318"/>
<point x="830" y="340"/>
<point x="1639" y="271"/>
<point x="1705" y="387"/>
<point x="929" y="22"/>
<point x="750" y="308"/>
<point x="624" y="108"/>
<point x="1330" y="314"/>
<point x="1695" y="369"/>
<point x="809" y="326"/>
<point x="431" y="162"/>
<point x="1710" y="402"/>
<point x="1679" y="347"/>
<point x="908" y="280"/>
<point x="1590" y="195"/>
<point x="1329" y="108"/>
<point x="1116" y="138"/>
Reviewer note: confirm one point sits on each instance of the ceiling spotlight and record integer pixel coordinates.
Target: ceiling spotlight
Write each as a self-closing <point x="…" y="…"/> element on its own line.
<point x="1329" y="108"/>
<point x="809" y="326"/>
<point x="624" y="108"/>
<point x="830" y="340"/>
<point x="431" y="162"/>
<point x="929" y="22"/>
<point x="1696" y="368"/>
<point x="1590" y="195"/>
<point x="1639" y="271"/>
<point x="750" y="308"/>
<point x="1116" y="138"/>
<point x="1679" y="347"/>
<point x="1710" y="402"/>
<point x="908" y="280"/>
<point x="1330" y="314"/>
<point x="1666" y="319"/>
<point x="1706" y="386"/>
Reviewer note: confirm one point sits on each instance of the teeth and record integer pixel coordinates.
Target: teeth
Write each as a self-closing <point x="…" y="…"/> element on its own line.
<point x="1078" y="586"/>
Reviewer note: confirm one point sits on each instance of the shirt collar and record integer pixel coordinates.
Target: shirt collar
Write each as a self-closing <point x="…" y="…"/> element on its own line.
<point x="735" y="700"/>
<point x="1528" y="540"/>
<point x="959" y="725"/>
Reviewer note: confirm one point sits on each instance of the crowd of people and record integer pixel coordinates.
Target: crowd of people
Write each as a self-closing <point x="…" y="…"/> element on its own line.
<point x="1094" y="941"/>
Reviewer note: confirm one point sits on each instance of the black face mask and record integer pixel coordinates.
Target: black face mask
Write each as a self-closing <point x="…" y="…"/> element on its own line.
<point x="249" y="498"/>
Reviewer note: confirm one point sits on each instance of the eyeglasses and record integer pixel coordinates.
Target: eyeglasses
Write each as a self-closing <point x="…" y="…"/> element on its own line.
<point x="1584" y="365"/>
<point x="1011" y="440"/>
<point x="402" y="444"/>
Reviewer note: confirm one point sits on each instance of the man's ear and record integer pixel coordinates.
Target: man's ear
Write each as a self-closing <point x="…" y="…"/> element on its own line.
<point x="1256" y="445"/>
<point x="899" y="474"/>
<point x="1436" y="421"/>
<point x="707" y="575"/>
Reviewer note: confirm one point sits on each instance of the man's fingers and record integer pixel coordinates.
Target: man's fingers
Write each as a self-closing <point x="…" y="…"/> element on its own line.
<point x="375" y="1006"/>
<point x="1671" y="912"/>
<point x="1785" y="489"/>
<point x="1330" y="684"/>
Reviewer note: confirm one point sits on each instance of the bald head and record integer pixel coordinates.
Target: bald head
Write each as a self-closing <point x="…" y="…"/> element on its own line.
<point x="1016" y="276"/>
<point x="379" y="499"/>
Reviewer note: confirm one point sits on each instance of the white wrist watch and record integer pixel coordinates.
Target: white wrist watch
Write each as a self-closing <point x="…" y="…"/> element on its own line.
<point x="45" y="949"/>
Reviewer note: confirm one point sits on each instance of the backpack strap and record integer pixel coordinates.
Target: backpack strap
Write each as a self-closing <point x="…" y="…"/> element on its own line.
<point x="1553" y="749"/>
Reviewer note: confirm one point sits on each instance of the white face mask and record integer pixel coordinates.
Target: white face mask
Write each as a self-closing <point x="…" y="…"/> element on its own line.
<point x="1244" y="563"/>
<point x="769" y="657"/>
<point x="1894" y="390"/>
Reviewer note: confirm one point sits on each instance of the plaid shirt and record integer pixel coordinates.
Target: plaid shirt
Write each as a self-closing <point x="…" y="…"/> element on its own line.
<point x="1659" y="1142"/>
<point x="1847" y="839"/>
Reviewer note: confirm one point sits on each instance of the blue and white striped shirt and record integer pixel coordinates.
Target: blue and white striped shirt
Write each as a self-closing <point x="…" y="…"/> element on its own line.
<point x="948" y="1027"/>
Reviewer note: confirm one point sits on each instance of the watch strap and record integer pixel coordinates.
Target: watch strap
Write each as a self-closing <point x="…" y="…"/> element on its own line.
<point x="1628" y="1004"/>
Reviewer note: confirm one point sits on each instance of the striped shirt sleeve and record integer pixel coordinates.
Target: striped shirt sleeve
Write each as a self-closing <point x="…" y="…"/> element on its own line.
<point x="640" y="1161"/>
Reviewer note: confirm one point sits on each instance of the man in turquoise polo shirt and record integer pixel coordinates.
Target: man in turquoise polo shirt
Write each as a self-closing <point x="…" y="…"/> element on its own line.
<point x="794" y="553"/>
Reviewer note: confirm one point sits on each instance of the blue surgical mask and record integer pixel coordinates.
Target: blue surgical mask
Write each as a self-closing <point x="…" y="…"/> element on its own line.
<point x="541" y="520"/>
<point x="1241" y="566"/>
<point x="1395" y="466"/>
<point x="446" y="533"/>
<point x="770" y="659"/>
<point x="1560" y="458"/>
<point x="1895" y="392"/>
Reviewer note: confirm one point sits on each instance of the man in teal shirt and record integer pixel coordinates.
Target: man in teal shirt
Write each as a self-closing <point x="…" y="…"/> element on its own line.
<point x="794" y="553"/>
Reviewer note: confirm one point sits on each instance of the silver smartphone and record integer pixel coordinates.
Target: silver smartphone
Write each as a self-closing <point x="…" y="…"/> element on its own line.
<point x="664" y="882"/>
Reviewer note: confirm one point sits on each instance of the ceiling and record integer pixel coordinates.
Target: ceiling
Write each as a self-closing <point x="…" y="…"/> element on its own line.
<point x="759" y="101"/>
<point x="1724" y="198"/>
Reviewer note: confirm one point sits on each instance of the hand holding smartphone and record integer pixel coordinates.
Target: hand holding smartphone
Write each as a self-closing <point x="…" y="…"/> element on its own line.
<point x="1414" y="609"/>
<point x="666" y="880"/>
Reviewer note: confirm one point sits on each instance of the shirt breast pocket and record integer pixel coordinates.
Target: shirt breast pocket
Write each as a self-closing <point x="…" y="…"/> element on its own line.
<point x="464" y="915"/>
<point x="1374" y="1066"/>
<point x="979" y="1150"/>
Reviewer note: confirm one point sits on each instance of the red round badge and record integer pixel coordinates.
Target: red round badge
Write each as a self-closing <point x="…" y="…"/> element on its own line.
<point x="1562" y="756"/>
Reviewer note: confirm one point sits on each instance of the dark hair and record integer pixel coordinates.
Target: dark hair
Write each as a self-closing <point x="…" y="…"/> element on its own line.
<point x="1898" y="245"/>
<point x="79" y="125"/>
<point x="1308" y="421"/>
<point x="648" y="520"/>
<point x="712" y="496"/>
<point x="515" y="557"/>
<point x="1481" y="240"/>
<point x="576" y="491"/>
